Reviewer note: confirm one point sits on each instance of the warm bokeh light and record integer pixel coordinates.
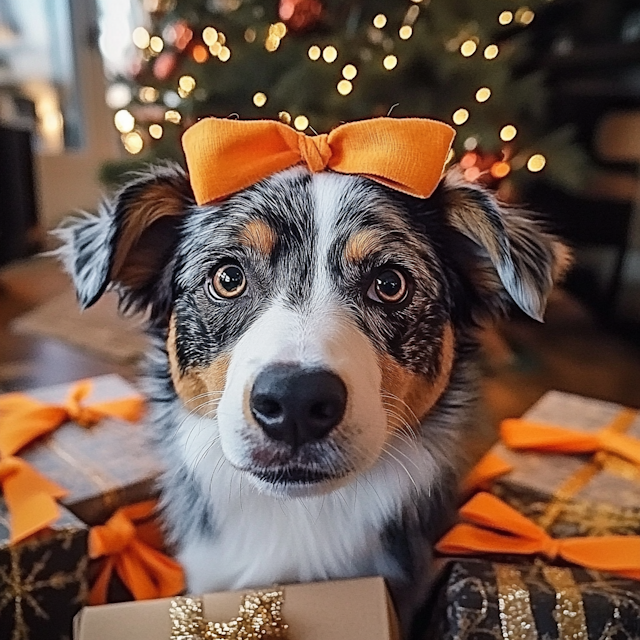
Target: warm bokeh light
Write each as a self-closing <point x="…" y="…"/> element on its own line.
<point x="156" y="131"/>
<point x="405" y="32"/>
<point x="349" y="72"/>
<point x="133" y="142"/>
<point x="259" y="99"/>
<point x="500" y="169"/>
<point x="200" y="54"/>
<point x="390" y="62"/>
<point x="536" y="162"/>
<point x="284" y="116"/>
<point x="329" y="54"/>
<point x="468" y="48"/>
<point x="314" y="52"/>
<point x="225" y="54"/>
<point x="173" y="116"/>
<point x="156" y="44"/>
<point x="187" y="83"/>
<point x="524" y="15"/>
<point x="209" y="36"/>
<point x="491" y="52"/>
<point x="483" y="94"/>
<point x="505" y="17"/>
<point x="250" y="35"/>
<point x="124" y="121"/>
<point x="344" y="87"/>
<point x="141" y="37"/>
<point x="215" y="49"/>
<point x="460" y="116"/>
<point x="379" y="21"/>
<point x="301" y="123"/>
<point x="508" y="133"/>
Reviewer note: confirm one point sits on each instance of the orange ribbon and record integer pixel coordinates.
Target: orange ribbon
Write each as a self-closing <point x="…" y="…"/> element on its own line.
<point x="226" y="156"/>
<point x="31" y="498"/>
<point x="494" y="527"/>
<point x="145" y="571"/>
<point x="525" y="434"/>
<point x="488" y="468"/>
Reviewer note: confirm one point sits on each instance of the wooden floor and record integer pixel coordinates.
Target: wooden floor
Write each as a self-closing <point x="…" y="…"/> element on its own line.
<point x="522" y="360"/>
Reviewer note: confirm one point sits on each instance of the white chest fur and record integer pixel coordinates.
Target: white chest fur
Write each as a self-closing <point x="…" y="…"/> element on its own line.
<point x="261" y="539"/>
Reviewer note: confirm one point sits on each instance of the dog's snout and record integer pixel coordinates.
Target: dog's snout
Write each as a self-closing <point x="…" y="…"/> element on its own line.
<point x="297" y="405"/>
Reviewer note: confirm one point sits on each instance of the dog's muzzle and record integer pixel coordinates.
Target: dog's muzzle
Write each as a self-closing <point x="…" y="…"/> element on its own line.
<point x="297" y="405"/>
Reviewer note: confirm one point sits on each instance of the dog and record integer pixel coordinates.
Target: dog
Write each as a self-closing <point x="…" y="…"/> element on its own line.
<point x="313" y="373"/>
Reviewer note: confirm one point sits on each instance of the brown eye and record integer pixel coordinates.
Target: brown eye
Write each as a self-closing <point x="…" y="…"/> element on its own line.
<point x="389" y="287"/>
<point x="227" y="281"/>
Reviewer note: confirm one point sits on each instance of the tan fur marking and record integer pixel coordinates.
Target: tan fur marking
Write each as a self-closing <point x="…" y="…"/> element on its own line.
<point x="259" y="236"/>
<point x="412" y="395"/>
<point x="362" y="244"/>
<point x="196" y="382"/>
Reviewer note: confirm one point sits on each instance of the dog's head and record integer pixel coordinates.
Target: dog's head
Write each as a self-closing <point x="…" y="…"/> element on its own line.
<point x="314" y="317"/>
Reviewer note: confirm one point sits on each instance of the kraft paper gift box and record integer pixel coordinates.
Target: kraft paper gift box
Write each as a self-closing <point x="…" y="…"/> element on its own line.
<point x="575" y="494"/>
<point x="482" y="600"/>
<point x="339" y="610"/>
<point x="43" y="579"/>
<point x="104" y="466"/>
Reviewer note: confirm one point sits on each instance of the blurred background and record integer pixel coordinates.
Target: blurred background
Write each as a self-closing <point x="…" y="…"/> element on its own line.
<point x="544" y="94"/>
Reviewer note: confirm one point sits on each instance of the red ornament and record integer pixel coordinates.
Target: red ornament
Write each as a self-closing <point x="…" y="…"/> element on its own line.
<point x="300" y="15"/>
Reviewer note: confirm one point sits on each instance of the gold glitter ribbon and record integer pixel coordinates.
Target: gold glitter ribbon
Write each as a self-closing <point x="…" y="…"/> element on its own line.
<point x="514" y="600"/>
<point x="599" y="462"/>
<point x="569" y="609"/>
<point x="260" y="618"/>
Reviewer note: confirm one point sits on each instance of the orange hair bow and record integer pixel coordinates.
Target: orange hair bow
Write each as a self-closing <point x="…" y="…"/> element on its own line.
<point x="494" y="527"/>
<point x="145" y="571"/>
<point x="225" y="156"/>
<point x="525" y="434"/>
<point x="30" y="497"/>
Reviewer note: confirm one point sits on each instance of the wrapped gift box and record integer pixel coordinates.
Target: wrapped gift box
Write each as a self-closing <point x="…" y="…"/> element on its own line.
<point x="103" y="467"/>
<point x="340" y="610"/>
<point x="482" y="600"/>
<point x="43" y="580"/>
<point x="574" y="495"/>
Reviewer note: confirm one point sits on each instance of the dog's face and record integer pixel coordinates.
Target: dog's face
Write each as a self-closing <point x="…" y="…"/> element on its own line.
<point x="313" y="317"/>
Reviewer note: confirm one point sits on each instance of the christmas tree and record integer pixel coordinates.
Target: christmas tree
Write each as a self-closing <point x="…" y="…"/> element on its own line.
<point x="316" y="63"/>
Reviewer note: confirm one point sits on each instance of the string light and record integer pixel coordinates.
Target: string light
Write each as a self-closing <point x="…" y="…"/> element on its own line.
<point x="141" y="37"/>
<point x="250" y="35"/>
<point x="349" y="72"/>
<point x="259" y="99"/>
<point x="301" y="123"/>
<point x="344" y="87"/>
<point x="505" y="17"/>
<point x="284" y="116"/>
<point x="460" y="116"/>
<point x="156" y="131"/>
<point x="508" y="133"/>
<point x="156" y="44"/>
<point x="329" y="54"/>
<point x="225" y="54"/>
<point x="314" y="52"/>
<point x="468" y="48"/>
<point x="209" y="36"/>
<point x="187" y="83"/>
<point x="124" y="121"/>
<point x="379" y="21"/>
<point x="173" y="116"/>
<point x="405" y="32"/>
<point x="148" y="94"/>
<point x="500" y="169"/>
<point x="133" y="142"/>
<point x="390" y="62"/>
<point x="536" y="163"/>
<point x="483" y="94"/>
<point x="200" y="54"/>
<point x="524" y="15"/>
<point x="491" y="52"/>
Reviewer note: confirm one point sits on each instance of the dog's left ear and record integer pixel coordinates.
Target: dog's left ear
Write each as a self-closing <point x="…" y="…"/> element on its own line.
<point x="128" y="245"/>
<point x="494" y="240"/>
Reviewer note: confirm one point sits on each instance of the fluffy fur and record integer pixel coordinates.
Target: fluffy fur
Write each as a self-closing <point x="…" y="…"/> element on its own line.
<point x="369" y="498"/>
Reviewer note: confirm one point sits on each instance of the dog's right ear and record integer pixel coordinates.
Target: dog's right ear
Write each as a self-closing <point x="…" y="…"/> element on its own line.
<point x="129" y="244"/>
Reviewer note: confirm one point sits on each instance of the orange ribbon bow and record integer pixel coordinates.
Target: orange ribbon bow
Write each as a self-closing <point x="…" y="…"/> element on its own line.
<point x="490" y="467"/>
<point x="30" y="497"/>
<point x="494" y="527"/>
<point x="145" y="571"/>
<point x="525" y="434"/>
<point x="226" y="156"/>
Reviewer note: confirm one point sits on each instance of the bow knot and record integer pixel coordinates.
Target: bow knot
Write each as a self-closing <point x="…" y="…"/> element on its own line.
<point x="9" y="466"/>
<point x="226" y="156"/>
<point x="85" y="416"/>
<point x="117" y="533"/>
<point x="314" y="151"/>
<point x="550" y="548"/>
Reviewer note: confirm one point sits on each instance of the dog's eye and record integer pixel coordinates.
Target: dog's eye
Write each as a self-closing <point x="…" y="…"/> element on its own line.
<point x="389" y="287"/>
<point x="226" y="281"/>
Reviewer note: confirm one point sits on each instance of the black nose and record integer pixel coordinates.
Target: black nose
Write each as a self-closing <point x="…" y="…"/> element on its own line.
<point x="297" y="405"/>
